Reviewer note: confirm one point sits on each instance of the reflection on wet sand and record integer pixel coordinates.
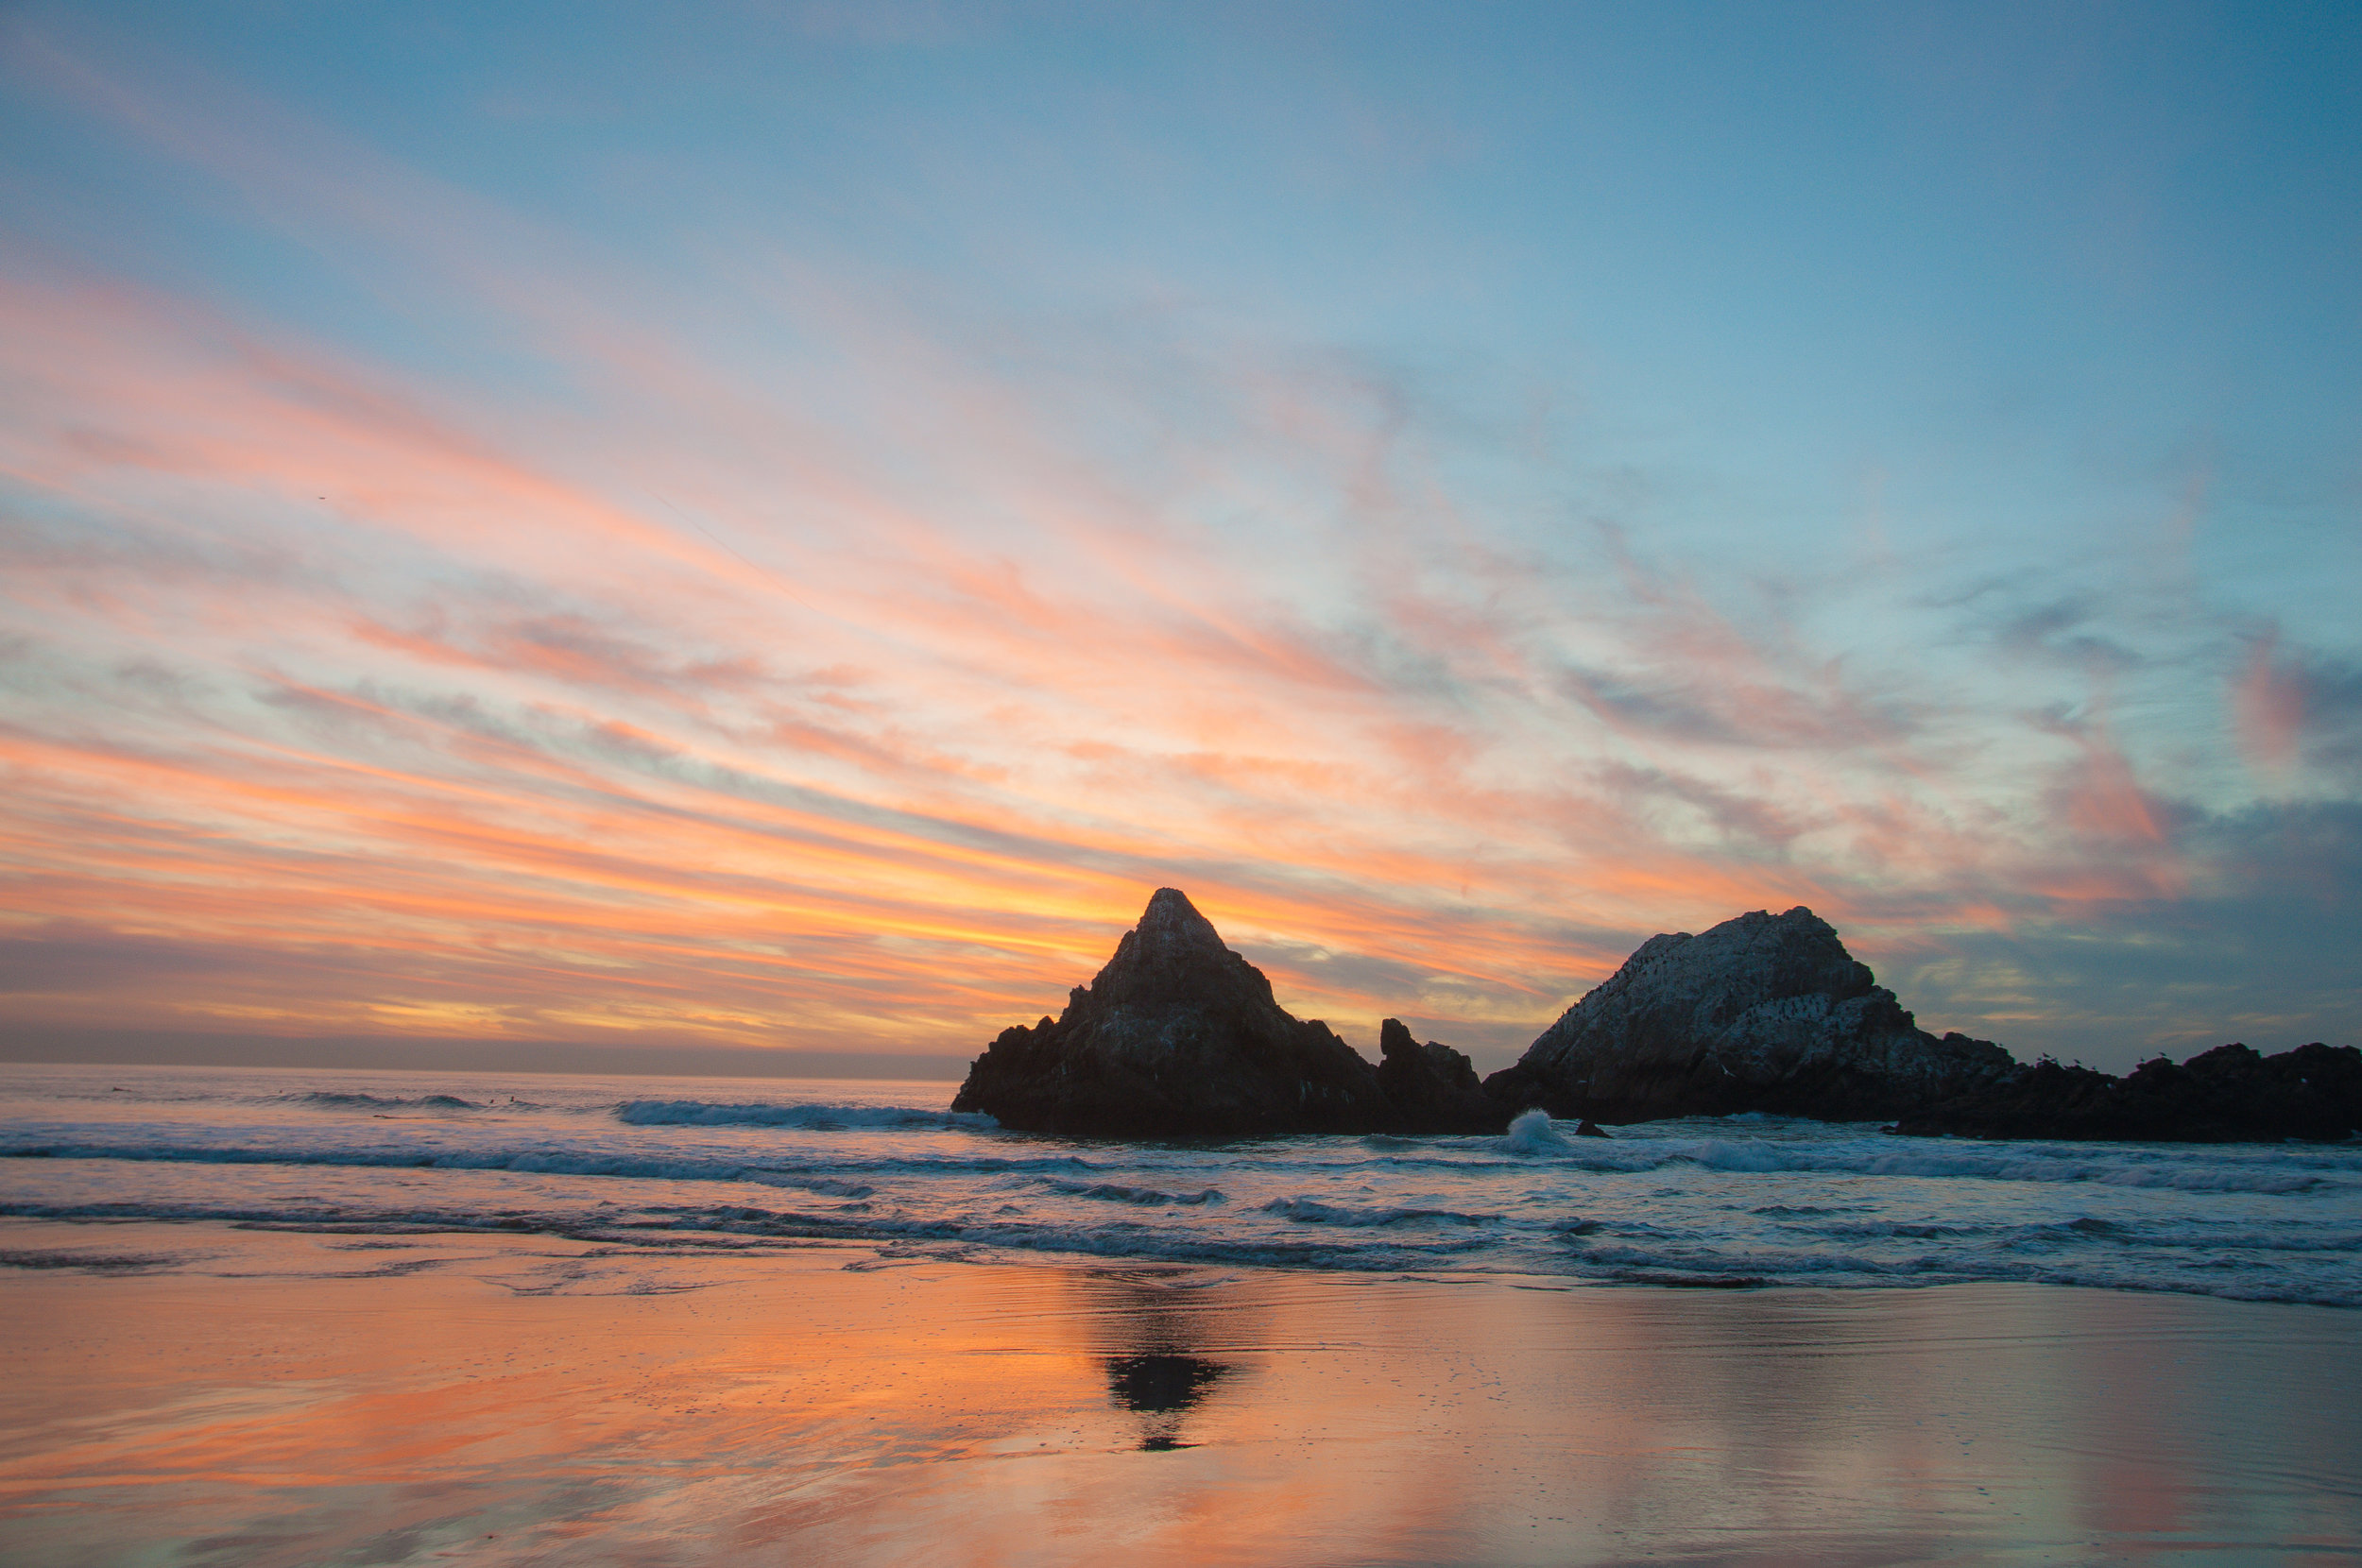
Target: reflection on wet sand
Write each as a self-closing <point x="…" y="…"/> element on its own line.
<point x="1165" y="1387"/>
<point x="278" y="1398"/>
<point x="1150" y="1326"/>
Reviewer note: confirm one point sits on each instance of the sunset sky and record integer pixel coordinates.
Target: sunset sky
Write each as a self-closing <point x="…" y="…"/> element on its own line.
<point x="779" y="524"/>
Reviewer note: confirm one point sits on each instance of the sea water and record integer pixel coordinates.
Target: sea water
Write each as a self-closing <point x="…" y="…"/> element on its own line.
<point x="747" y="1163"/>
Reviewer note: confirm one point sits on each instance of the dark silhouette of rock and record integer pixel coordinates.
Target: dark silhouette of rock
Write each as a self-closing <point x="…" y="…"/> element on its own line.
<point x="1434" y="1089"/>
<point x="1763" y="1013"/>
<point x="1164" y="1388"/>
<point x="2227" y="1094"/>
<point x="1177" y="1036"/>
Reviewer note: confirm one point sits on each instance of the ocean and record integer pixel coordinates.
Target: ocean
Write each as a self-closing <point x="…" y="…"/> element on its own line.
<point x="690" y="1165"/>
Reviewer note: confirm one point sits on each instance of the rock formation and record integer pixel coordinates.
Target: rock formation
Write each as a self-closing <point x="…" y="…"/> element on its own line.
<point x="1764" y="1013"/>
<point x="1177" y="1036"/>
<point x="1434" y="1089"/>
<point x="2227" y="1094"/>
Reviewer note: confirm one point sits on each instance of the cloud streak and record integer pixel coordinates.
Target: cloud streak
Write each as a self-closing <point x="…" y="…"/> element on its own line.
<point x="852" y="697"/>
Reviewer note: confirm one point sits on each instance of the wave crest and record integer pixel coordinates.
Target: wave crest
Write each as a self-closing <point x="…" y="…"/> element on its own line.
<point x="1118" y="1192"/>
<point x="338" y="1100"/>
<point x="1311" y="1211"/>
<point x="805" y="1117"/>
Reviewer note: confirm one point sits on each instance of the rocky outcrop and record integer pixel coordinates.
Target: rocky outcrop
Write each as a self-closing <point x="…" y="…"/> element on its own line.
<point x="1177" y="1036"/>
<point x="1764" y="1013"/>
<point x="2228" y="1094"/>
<point x="1434" y="1089"/>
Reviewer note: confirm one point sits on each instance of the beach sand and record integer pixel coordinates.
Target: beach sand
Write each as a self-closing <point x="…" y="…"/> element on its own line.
<point x="208" y="1394"/>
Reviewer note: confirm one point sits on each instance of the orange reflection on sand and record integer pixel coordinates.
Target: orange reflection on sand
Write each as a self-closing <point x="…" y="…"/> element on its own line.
<point x="411" y="1396"/>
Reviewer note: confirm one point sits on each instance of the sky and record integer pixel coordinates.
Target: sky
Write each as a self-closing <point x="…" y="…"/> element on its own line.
<point x="669" y="531"/>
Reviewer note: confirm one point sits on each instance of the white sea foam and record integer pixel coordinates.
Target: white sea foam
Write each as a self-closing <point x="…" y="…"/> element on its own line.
<point x="1531" y="1133"/>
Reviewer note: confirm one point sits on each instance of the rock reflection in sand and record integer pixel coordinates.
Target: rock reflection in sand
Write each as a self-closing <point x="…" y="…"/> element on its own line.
<point x="1163" y="1387"/>
<point x="1150" y="1328"/>
<point x="517" y="1398"/>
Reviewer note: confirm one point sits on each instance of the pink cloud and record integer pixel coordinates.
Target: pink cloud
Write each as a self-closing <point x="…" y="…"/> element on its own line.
<point x="774" y="707"/>
<point x="2268" y="708"/>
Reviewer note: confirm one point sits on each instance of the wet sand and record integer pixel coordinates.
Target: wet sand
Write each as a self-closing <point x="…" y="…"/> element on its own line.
<point x="205" y="1394"/>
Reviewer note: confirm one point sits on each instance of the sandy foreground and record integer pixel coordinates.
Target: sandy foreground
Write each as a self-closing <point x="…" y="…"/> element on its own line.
<point x="206" y="1395"/>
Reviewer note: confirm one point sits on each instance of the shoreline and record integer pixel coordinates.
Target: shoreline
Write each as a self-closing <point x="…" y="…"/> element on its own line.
<point x="221" y="1394"/>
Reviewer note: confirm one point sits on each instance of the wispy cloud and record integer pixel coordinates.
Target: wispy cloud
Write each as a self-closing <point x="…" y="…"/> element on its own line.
<point x="853" y="693"/>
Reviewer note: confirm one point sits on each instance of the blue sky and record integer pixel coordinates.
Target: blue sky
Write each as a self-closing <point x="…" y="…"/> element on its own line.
<point x="778" y="524"/>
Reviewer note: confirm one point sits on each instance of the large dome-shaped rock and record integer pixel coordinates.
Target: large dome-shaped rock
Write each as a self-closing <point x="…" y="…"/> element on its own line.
<point x="1177" y="1036"/>
<point x="1764" y="1013"/>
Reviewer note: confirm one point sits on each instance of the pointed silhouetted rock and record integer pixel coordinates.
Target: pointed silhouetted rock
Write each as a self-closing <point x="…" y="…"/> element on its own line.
<point x="1764" y="1013"/>
<point x="1434" y="1089"/>
<point x="1177" y="1036"/>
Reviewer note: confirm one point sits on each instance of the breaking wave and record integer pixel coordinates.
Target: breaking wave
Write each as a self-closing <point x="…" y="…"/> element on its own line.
<point x="1530" y="1134"/>
<point x="1311" y="1211"/>
<point x="825" y="1119"/>
<point x="332" y="1101"/>
<point x="1117" y="1192"/>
